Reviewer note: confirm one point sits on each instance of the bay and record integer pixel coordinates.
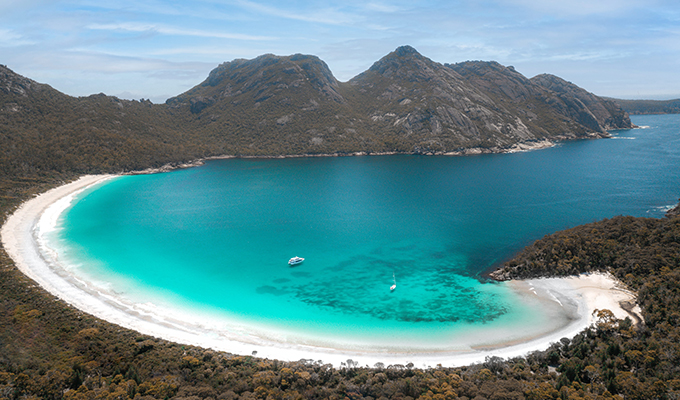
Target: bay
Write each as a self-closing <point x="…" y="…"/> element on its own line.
<point x="215" y="240"/>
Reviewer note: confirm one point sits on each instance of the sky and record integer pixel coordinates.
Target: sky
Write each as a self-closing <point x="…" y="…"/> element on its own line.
<point x="155" y="49"/>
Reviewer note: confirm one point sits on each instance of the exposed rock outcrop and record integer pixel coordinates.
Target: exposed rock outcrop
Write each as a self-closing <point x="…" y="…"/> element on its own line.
<point x="675" y="211"/>
<point x="263" y="78"/>
<point x="592" y="111"/>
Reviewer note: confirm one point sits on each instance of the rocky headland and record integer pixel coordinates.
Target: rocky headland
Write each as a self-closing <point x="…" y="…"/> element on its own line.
<point x="675" y="211"/>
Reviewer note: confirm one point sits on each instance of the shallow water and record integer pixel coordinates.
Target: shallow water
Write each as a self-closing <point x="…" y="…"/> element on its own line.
<point x="215" y="240"/>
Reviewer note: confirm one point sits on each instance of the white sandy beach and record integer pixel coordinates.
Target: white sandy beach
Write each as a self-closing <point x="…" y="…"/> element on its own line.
<point x="20" y="238"/>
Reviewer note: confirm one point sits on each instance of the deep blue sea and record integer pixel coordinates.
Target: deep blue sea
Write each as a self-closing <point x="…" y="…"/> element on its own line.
<point x="217" y="238"/>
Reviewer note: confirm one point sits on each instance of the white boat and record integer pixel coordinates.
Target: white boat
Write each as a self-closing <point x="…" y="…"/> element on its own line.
<point x="295" y="260"/>
<point x="395" y="283"/>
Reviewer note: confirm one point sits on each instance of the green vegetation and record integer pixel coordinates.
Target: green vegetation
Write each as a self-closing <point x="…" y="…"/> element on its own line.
<point x="638" y="107"/>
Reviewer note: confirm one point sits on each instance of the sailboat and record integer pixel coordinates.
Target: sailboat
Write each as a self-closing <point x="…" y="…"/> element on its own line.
<point x="395" y="283"/>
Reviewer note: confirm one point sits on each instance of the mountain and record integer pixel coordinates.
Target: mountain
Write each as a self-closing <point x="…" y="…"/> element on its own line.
<point x="43" y="130"/>
<point x="291" y="105"/>
<point x="269" y="106"/>
<point x="589" y="110"/>
<point x="405" y="102"/>
<point x="264" y="77"/>
<point x="638" y="107"/>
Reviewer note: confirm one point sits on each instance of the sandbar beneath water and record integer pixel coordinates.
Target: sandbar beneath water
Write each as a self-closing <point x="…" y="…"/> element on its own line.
<point x="20" y="238"/>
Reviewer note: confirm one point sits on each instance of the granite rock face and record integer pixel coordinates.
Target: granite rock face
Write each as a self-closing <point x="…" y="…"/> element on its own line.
<point x="590" y="110"/>
<point x="15" y="84"/>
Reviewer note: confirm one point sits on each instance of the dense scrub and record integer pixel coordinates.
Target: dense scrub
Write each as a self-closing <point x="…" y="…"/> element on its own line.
<point x="639" y="107"/>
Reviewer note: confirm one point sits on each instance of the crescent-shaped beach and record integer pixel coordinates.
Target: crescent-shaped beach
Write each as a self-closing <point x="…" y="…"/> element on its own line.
<point x="20" y="238"/>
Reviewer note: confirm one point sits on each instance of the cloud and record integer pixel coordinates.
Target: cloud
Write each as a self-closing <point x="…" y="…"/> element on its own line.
<point x="212" y="51"/>
<point x="327" y="15"/>
<point x="571" y="8"/>
<point x="169" y="30"/>
<point x="588" y="56"/>
<point x="10" y="38"/>
<point x="383" y="8"/>
<point x="83" y="61"/>
<point x="9" y="7"/>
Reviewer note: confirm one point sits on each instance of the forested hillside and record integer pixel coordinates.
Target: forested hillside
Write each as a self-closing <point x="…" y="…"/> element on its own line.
<point x="44" y="130"/>
<point x="638" y="107"/>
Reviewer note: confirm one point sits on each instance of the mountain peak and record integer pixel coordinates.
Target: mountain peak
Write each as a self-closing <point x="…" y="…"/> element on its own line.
<point x="268" y="78"/>
<point x="406" y="50"/>
<point x="554" y="83"/>
<point x="403" y="60"/>
<point x="404" y="54"/>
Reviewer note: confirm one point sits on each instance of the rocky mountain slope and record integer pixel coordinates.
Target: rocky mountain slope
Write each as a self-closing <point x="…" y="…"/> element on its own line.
<point x="404" y="103"/>
<point x="269" y="106"/>
<point x="587" y="109"/>
<point x="272" y="105"/>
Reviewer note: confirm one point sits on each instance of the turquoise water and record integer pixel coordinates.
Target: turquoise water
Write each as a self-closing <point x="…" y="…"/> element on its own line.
<point x="217" y="238"/>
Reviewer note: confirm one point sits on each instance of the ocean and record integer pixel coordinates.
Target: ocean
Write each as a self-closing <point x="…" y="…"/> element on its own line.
<point x="212" y="243"/>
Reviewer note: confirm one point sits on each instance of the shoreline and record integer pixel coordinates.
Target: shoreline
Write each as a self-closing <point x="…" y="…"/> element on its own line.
<point x="519" y="147"/>
<point x="19" y="238"/>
